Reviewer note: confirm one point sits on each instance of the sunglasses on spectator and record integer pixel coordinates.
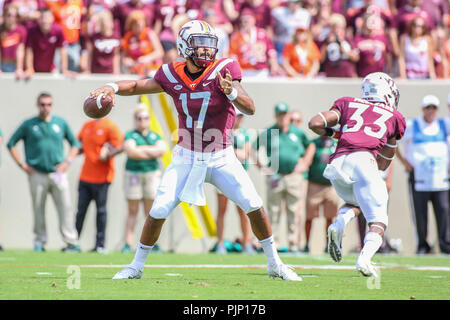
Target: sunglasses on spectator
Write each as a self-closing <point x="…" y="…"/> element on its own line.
<point x="418" y="25"/>
<point x="142" y="118"/>
<point x="431" y="107"/>
<point x="45" y="104"/>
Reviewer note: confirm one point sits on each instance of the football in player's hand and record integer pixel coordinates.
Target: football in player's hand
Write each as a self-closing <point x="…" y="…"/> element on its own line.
<point x="99" y="107"/>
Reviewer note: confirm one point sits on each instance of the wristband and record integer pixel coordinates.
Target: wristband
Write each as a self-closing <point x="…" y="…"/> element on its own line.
<point x="233" y="95"/>
<point x="393" y="146"/>
<point x="20" y="164"/>
<point x="69" y="161"/>
<point x="113" y="85"/>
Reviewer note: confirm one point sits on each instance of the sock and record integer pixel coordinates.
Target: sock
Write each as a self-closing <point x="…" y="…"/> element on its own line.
<point x="270" y="250"/>
<point x="140" y="256"/>
<point x="344" y="217"/>
<point x="372" y="242"/>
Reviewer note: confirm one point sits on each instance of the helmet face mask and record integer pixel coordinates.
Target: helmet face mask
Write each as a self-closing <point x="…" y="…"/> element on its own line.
<point x="197" y="41"/>
<point x="379" y="87"/>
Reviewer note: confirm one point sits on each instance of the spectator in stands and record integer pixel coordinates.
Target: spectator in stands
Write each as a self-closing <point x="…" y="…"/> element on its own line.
<point x="373" y="48"/>
<point x="142" y="173"/>
<point x="12" y="42"/>
<point x="443" y="50"/>
<point x="286" y="19"/>
<point x="252" y="48"/>
<point x="378" y="19"/>
<point x="337" y="53"/>
<point x="142" y="51"/>
<point x="321" y="193"/>
<point x="46" y="169"/>
<point x="122" y="10"/>
<point x="301" y="57"/>
<point x="101" y="140"/>
<point x="221" y="20"/>
<point x="223" y="45"/>
<point x="424" y="154"/>
<point x="408" y="12"/>
<point x="287" y="169"/>
<point x="43" y="40"/>
<point x="241" y="144"/>
<point x="28" y="10"/>
<point x="102" y="54"/>
<point x="67" y="15"/>
<point x="262" y="12"/>
<point x="320" y="28"/>
<point x="416" y="52"/>
<point x="166" y="12"/>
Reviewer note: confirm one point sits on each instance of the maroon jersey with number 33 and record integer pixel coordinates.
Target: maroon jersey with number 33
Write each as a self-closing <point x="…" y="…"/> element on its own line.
<point x="205" y="115"/>
<point x="366" y="126"/>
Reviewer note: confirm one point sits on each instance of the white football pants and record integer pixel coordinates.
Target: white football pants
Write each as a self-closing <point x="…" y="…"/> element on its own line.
<point x="223" y="171"/>
<point x="357" y="180"/>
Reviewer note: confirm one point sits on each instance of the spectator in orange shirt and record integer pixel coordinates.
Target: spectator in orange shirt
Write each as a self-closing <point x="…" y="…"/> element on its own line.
<point x="67" y="15"/>
<point x="101" y="140"/>
<point x="253" y="49"/>
<point x="142" y="50"/>
<point x="301" y="57"/>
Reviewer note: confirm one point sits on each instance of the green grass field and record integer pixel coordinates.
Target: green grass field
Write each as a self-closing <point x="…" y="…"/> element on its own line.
<point x="29" y="275"/>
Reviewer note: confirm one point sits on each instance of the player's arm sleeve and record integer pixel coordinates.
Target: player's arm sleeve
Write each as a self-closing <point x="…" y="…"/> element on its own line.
<point x="18" y="135"/>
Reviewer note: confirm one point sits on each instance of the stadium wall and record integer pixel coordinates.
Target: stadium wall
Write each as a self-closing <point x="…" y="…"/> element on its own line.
<point x="309" y="96"/>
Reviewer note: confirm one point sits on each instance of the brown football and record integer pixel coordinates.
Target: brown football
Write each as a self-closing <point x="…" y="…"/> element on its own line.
<point x="98" y="108"/>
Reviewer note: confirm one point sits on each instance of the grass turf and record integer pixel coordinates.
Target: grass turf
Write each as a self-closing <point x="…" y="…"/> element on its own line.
<point x="26" y="275"/>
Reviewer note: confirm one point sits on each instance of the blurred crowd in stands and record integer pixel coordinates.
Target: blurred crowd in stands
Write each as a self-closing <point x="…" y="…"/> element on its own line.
<point x="293" y="38"/>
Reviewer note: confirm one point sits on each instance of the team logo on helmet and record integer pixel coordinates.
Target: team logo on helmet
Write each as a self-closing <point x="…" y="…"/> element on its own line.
<point x="381" y="88"/>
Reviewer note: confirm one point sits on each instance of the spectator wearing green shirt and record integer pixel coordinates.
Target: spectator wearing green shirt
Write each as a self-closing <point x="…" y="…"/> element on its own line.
<point x="46" y="167"/>
<point x="241" y="145"/>
<point x="321" y="193"/>
<point x="289" y="153"/>
<point x="142" y="170"/>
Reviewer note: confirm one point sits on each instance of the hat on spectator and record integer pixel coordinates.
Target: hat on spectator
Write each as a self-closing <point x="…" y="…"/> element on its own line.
<point x="430" y="100"/>
<point x="281" y="107"/>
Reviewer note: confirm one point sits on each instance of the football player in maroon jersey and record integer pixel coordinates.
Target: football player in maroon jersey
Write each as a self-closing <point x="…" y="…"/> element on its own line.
<point x="203" y="90"/>
<point x="368" y="130"/>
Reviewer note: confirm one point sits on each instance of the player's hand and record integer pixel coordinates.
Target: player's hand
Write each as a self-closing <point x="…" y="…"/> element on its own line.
<point x="105" y="90"/>
<point x="226" y="84"/>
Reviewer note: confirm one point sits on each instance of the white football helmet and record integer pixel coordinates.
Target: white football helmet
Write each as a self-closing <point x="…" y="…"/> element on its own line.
<point x="380" y="87"/>
<point x="197" y="34"/>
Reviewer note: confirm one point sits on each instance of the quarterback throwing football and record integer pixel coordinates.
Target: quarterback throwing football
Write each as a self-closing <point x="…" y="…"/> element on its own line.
<point x="203" y="90"/>
<point x="368" y="130"/>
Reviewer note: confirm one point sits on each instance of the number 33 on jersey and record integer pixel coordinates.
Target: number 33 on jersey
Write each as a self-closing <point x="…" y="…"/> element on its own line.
<point x="202" y="107"/>
<point x="366" y="126"/>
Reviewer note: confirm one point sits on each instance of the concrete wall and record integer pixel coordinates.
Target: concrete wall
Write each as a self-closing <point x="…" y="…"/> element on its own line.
<point x="309" y="96"/>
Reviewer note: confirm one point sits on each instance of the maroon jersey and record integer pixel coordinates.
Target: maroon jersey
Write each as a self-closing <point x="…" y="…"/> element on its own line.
<point x="10" y="41"/>
<point x="366" y="126"/>
<point x="205" y="115"/>
<point x="406" y="15"/>
<point x="103" y="52"/>
<point x="372" y="53"/>
<point x="44" y="46"/>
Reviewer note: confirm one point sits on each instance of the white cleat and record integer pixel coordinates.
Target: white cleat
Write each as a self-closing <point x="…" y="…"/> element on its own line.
<point x="128" y="273"/>
<point x="366" y="268"/>
<point x="335" y="243"/>
<point x="282" y="271"/>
